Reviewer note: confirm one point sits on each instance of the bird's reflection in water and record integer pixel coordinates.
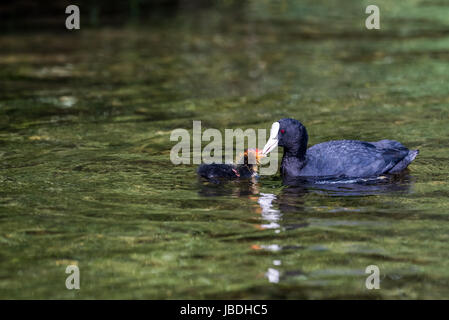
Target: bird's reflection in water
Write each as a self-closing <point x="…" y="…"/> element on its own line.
<point x="343" y="186"/>
<point x="291" y="198"/>
<point x="269" y="214"/>
<point x="280" y="212"/>
<point x="238" y="188"/>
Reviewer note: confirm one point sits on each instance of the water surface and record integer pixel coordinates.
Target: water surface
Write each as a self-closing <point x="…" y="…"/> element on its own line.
<point x="85" y="121"/>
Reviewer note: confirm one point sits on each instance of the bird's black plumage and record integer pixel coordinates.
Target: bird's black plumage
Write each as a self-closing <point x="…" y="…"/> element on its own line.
<point x="224" y="171"/>
<point x="350" y="158"/>
<point x="243" y="170"/>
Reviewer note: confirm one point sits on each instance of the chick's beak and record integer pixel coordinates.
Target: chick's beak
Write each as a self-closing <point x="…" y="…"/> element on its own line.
<point x="259" y="155"/>
<point x="256" y="153"/>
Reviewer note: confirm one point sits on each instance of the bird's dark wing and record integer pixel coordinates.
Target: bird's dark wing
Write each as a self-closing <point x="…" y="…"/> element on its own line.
<point x="352" y="158"/>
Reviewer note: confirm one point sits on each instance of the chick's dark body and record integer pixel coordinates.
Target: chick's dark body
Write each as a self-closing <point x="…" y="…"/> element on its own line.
<point x="225" y="171"/>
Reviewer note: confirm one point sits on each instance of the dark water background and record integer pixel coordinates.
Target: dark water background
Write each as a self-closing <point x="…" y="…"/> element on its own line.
<point x="85" y="176"/>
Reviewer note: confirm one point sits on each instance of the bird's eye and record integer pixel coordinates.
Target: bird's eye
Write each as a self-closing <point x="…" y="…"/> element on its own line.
<point x="282" y="131"/>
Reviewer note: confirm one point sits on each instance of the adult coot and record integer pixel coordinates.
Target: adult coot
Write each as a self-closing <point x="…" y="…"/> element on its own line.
<point x="348" y="158"/>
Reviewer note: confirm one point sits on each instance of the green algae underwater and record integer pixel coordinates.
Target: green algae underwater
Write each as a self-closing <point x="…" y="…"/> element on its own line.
<point x="86" y="177"/>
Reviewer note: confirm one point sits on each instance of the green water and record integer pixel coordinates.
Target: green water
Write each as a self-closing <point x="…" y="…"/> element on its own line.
<point x="86" y="179"/>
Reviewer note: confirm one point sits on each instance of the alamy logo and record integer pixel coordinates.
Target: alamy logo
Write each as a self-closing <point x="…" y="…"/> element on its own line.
<point x="373" y="280"/>
<point x="73" y="280"/>
<point x="373" y="20"/>
<point x="73" y="20"/>
<point x="189" y="148"/>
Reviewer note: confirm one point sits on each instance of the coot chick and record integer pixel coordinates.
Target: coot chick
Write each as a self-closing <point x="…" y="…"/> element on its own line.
<point x="346" y="158"/>
<point x="244" y="169"/>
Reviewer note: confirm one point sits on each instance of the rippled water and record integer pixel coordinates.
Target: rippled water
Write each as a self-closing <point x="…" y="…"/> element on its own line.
<point x="85" y="121"/>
